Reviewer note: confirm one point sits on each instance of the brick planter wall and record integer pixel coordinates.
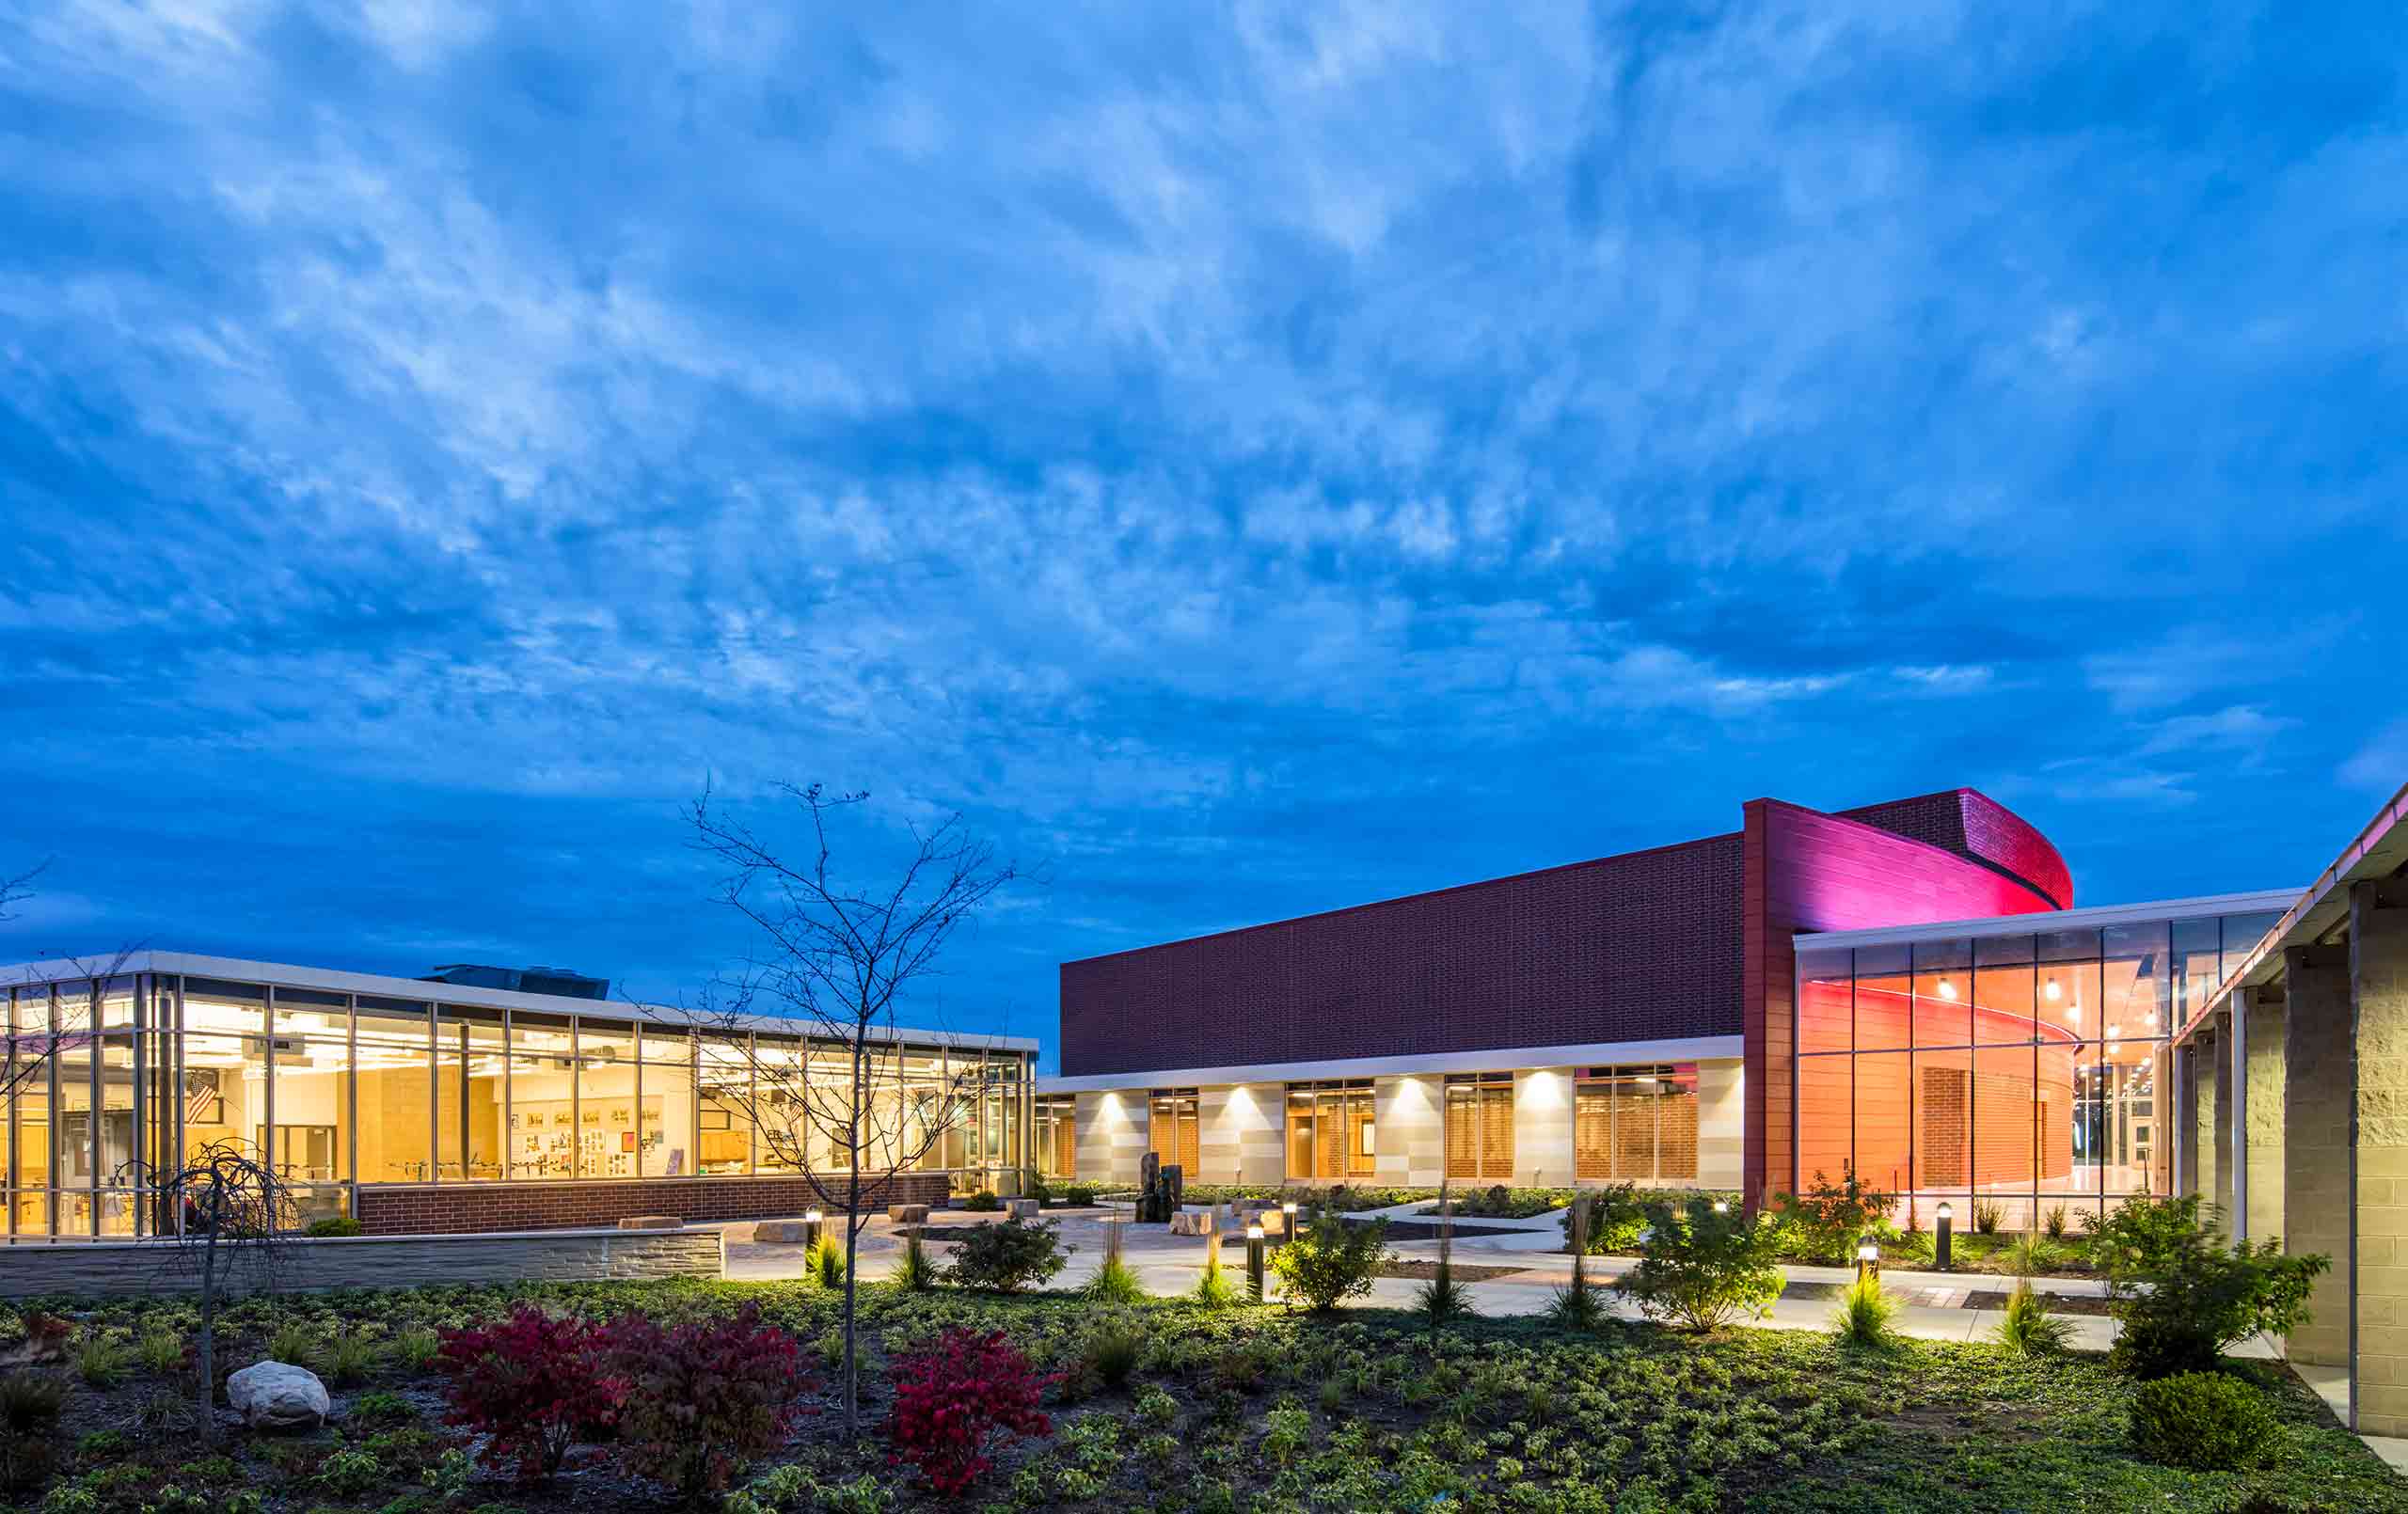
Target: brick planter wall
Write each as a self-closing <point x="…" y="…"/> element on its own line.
<point x="146" y="1269"/>
<point x="454" y="1208"/>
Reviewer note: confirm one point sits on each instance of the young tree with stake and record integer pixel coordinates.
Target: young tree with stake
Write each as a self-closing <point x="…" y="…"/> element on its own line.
<point x="835" y="958"/>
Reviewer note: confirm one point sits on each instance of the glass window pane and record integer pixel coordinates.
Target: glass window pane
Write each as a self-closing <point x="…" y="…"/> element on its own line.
<point x="1825" y="1115"/>
<point x="396" y="1093"/>
<point x="2242" y="934"/>
<point x="1943" y="1008"/>
<point x="74" y="1114"/>
<point x="2068" y="945"/>
<point x="1884" y="1113"/>
<point x="1824" y="1002"/>
<point x="394" y="1022"/>
<point x="1944" y="1087"/>
<point x="1299" y="1134"/>
<point x="666" y="1043"/>
<point x="30" y="1080"/>
<point x="2005" y="1003"/>
<point x="2001" y="950"/>
<point x="2128" y="1073"/>
<point x="225" y="1092"/>
<point x="1884" y="1000"/>
<point x="1677" y="1123"/>
<point x="307" y="1011"/>
<point x="2006" y="1130"/>
<point x="726" y="1106"/>
<point x="2137" y="982"/>
<point x="2196" y="969"/>
<point x="224" y="1007"/>
<point x="605" y="1081"/>
<point x="2068" y="1002"/>
<point x="2088" y="1101"/>
<point x="313" y="1084"/>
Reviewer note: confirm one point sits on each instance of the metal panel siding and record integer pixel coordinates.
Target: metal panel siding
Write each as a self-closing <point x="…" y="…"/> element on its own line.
<point x="1636" y="947"/>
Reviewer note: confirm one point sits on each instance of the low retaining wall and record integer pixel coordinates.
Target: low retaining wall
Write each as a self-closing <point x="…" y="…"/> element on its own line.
<point x="112" y="1268"/>
<point x="457" y="1208"/>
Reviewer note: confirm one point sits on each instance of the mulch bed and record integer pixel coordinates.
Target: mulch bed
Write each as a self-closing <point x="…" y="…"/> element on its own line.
<point x="1465" y="1271"/>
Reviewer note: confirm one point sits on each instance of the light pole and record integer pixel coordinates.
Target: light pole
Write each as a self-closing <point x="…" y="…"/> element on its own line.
<point x="1942" y="1246"/>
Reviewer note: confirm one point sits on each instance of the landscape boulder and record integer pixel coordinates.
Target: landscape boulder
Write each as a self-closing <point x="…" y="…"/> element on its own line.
<point x="278" y="1396"/>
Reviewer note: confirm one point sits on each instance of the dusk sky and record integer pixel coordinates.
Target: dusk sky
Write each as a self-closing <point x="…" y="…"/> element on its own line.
<point x="1248" y="466"/>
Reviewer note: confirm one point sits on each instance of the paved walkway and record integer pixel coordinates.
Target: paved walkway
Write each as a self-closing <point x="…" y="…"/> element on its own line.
<point x="1168" y="1265"/>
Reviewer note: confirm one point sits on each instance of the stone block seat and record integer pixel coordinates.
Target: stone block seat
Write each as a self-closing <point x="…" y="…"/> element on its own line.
<point x="652" y="1222"/>
<point x="1192" y="1222"/>
<point x="1022" y="1209"/>
<point x="782" y="1232"/>
<point x="907" y="1214"/>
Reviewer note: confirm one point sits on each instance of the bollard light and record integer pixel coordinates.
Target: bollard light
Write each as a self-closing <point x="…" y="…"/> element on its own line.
<point x="1941" y="1246"/>
<point x="811" y="1220"/>
<point x="1287" y="1222"/>
<point x="1254" y="1263"/>
<point x="1722" y="1206"/>
<point x="1868" y="1259"/>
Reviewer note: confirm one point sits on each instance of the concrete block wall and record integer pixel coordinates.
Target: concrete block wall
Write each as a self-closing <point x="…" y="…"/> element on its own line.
<point x="2207" y="1147"/>
<point x="1543" y="1128"/>
<point x="2319" y="1079"/>
<point x="1722" y="1124"/>
<point x="1243" y="1132"/>
<point x="2379" y="982"/>
<point x="122" y="1268"/>
<point x="454" y="1209"/>
<point x="2220" y="1140"/>
<point x="2264" y="1117"/>
<point x="1112" y="1137"/>
<point x="1409" y="1133"/>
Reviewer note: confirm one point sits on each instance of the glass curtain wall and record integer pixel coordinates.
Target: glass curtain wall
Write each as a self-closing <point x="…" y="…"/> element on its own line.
<point x="1479" y="1127"/>
<point x="1173" y="1131"/>
<point x="2012" y="1075"/>
<point x="108" y="1085"/>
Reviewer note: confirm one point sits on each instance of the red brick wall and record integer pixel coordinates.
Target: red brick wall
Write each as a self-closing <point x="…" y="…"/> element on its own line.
<point x="1636" y="947"/>
<point x="389" y="1209"/>
<point x="1980" y="830"/>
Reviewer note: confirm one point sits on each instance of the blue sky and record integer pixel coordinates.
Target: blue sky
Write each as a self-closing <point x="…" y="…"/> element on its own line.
<point x="1248" y="460"/>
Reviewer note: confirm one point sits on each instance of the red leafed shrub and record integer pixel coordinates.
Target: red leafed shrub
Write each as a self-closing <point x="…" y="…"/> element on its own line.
<point x="955" y="1398"/>
<point x="531" y="1384"/>
<point x="702" y="1399"/>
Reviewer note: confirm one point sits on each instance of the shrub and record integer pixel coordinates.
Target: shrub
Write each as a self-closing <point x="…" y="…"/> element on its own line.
<point x="1825" y="1223"/>
<point x="349" y="1357"/>
<point x="2055" y="1222"/>
<point x="1615" y="1215"/>
<point x="340" y="1225"/>
<point x="823" y="1262"/>
<point x="915" y="1272"/>
<point x="418" y="1347"/>
<point x="1331" y="1261"/>
<point x="1215" y="1289"/>
<point x="2205" y="1421"/>
<point x="29" y="1407"/>
<point x="102" y="1357"/>
<point x="2028" y="1326"/>
<point x="1114" y="1349"/>
<point x="983" y="1202"/>
<point x="383" y="1408"/>
<point x="1113" y="1283"/>
<point x="531" y="1384"/>
<point x="292" y="1343"/>
<point x="1078" y="1195"/>
<point x="1865" y="1315"/>
<point x="1033" y="1187"/>
<point x="1008" y="1257"/>
<point x="2183" y="1298"/>
<point x="699" y="1400"/>
<point x="160" y="1349"/>
<point x="349" y="1472"/>
<point x="1700" y="1266"/>
<point x="1987" y="1214"/>
<point x="955" y="1399"/>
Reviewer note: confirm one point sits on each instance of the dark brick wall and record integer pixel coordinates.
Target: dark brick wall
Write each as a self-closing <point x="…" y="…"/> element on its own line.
<point x="1634" y="947"/>
<point x="456" y="1209"/>
<point x="1979" y="829"/>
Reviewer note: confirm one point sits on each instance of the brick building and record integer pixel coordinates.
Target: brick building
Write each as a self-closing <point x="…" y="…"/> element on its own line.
<point x="1897" y="990"/>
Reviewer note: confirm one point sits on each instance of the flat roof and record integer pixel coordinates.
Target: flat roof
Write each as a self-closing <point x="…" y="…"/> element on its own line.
<point x="335" y="979"/>
<point x="2054" y="920"/>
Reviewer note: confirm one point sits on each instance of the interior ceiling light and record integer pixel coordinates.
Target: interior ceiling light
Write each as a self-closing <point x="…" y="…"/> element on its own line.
<point x="1948" y="989"/>
<point x="2051" y="991"/>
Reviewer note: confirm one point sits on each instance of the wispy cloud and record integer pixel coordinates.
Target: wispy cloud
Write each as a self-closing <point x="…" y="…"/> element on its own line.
<point x="1261" y="460"/>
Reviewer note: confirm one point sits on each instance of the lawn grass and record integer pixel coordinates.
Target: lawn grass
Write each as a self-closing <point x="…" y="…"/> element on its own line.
<point x="1254" y="1409"/>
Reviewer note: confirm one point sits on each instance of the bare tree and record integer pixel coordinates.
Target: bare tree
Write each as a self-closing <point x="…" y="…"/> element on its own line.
<point x="838" y="958"/>
<point x="229" y="1220"/>
<point x="82" y="984"/>
<point x="18" y="890"/>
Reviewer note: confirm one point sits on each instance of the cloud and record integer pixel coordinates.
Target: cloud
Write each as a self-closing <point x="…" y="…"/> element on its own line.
<point x="1263" y="462"/>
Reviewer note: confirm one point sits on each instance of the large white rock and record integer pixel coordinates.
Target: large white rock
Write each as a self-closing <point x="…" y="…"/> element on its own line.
<point x="276" y="1396"/>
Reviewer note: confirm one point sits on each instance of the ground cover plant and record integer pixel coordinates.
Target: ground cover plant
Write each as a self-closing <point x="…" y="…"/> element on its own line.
<point x="1225" y="1409"/>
